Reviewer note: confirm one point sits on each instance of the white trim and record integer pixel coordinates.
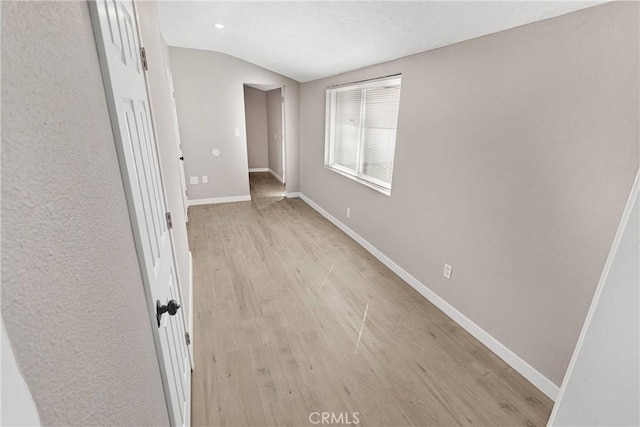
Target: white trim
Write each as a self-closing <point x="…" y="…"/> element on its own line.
<point x="357" y="178"/>
<point x="284" y="134"/>
<point x="292" y="195"/>
<point x="626" y="215"/>
<point x="276" y="176"/>
<point x="530" y="373"/>
<point x="216" y="200"/>
<point x="191" y="310"/>
<point x="258" y="170"/>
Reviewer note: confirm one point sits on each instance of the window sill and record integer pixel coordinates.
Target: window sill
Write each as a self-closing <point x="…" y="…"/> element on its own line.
<point x="385" y="191"/>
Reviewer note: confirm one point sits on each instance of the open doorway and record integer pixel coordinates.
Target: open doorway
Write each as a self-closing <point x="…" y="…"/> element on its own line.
<point x="265" y="130"/>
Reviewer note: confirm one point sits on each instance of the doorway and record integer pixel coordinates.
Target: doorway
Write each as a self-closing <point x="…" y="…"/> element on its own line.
<point x="265" y="130"/>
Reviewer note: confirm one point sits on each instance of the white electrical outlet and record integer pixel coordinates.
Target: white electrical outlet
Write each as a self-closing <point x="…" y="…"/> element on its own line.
<point x="193" y="179"/>
<point x="348" y="212"/>
<point x="205" y="179"/>
<point x="447" y="271"/>
<point x="236" y="132"/>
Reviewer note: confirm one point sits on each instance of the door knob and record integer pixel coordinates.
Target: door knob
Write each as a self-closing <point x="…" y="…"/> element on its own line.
<point x="182" y="158"/>
<point x="171" y="307"/>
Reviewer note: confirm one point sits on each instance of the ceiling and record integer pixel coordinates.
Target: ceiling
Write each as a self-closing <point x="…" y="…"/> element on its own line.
<point x="309" y="40"/>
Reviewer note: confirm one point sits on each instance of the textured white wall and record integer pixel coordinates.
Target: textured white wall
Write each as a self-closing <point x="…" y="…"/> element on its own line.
<point x="73" y="302"/>
<point x="210" y="100"/>
<point x="515" y="155"/>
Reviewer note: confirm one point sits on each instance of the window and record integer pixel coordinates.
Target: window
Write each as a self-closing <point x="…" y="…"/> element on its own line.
<point x="360" y="135"/>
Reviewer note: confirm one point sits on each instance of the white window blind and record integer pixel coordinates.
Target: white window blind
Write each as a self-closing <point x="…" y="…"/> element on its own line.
<point x="361" y="127"/>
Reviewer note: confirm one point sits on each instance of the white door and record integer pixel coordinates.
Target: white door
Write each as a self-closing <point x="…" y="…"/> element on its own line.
<point x="115" y="27"/>
<point x="183" y="182"/>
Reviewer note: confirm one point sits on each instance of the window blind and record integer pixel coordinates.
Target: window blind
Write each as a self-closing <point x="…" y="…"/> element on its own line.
<point x="361" y="130"/>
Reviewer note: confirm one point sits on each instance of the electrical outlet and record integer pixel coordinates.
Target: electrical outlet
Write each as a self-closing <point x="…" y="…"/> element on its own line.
<point x="348" y="212"/>
<point x="447" y="271"/>
<point x="193" y="179"/>
<point x="205" y="179"/>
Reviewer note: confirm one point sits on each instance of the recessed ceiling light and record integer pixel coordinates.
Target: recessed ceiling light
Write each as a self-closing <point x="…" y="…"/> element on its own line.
<point x="218" y="26"/>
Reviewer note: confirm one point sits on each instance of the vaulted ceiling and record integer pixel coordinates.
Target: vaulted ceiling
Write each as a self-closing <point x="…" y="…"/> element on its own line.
<point x="311" y="40"/>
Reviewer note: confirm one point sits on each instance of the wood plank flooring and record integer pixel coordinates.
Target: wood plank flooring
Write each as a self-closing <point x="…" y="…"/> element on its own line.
<point x="292" y="317"/>
<point x="263" y="184"/>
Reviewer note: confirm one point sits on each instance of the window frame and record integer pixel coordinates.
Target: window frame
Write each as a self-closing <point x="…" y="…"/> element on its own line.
<point x="330" y="112"/>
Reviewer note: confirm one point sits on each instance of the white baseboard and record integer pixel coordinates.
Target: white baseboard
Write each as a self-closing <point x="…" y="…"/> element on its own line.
<point x="190" y="326"/>
<point x="529" y="372"/>
<point x="278" y="177"/>
<point x="216" y="200"/>
<point x="258" y="170"/>
<point x="292" y="195"/>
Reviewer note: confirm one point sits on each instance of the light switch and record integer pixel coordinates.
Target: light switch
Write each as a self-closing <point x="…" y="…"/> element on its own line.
<point x="193" y="179"/>
<point x="205" y="179"/>
<point x="236" y="132"/>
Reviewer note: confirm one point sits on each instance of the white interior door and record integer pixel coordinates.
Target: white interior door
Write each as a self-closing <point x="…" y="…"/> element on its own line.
<point x="116" y="31"/>
<point x="183" y="182"/>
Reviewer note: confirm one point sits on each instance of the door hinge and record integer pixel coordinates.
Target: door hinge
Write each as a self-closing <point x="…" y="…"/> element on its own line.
<point x="169" y="222"/>
<point x="187" y="337"/>
<point x="143" y="57"/>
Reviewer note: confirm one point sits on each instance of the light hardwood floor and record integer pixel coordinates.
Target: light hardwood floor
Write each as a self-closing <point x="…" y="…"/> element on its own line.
<point x="280" y="297"/>
<point x="263" y="184"/>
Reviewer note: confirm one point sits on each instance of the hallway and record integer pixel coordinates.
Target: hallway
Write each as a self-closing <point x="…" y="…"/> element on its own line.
<point x="263" y="184"/>
<point x="293" y="317"/>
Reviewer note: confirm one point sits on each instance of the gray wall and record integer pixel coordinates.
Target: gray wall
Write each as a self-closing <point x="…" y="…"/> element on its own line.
<point x="210" y="101"/>
<point x="274" y="130"/>
<point x="602" y="388"/>
<point x="72" y="296"/>
<point x="255" y="107"/>
<point x="166" y="133"/>
<point x="515" y="155"/>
